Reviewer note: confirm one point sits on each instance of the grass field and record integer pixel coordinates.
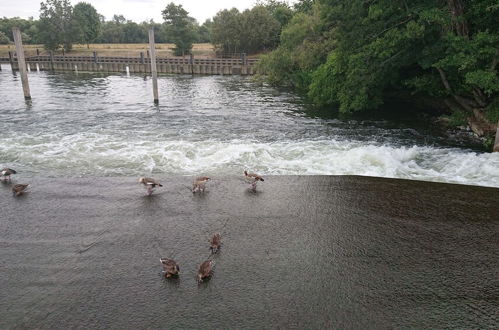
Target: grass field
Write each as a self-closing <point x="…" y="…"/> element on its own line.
<point x="123" y="50"/>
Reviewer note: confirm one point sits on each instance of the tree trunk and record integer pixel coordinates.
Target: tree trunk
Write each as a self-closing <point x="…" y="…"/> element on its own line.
<point x="460" y="25"/>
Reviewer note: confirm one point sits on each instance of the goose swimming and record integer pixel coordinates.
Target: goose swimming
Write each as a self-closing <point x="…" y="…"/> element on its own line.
<point x="170" y="267"/>
<point x="7" y="172"/>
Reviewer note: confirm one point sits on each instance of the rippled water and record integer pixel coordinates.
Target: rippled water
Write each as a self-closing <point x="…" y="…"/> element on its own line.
<point x="106" y="125"/>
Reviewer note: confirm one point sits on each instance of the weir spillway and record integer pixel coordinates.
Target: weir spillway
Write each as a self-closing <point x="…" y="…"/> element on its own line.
<point x="303" y="251"/>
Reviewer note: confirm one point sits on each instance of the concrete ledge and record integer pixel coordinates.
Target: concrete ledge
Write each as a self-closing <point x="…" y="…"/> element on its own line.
<point x="304" y="251"/>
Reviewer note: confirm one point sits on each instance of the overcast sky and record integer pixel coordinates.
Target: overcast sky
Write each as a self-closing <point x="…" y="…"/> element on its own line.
<point x="135" y="10"/>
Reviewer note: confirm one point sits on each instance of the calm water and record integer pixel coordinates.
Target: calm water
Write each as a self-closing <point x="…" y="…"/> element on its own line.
<point x="308" y="252"/>
<point x="92" y="124"/>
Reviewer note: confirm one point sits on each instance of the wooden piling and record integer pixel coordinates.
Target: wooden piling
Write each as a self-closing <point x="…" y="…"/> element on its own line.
<point x="496" y="143"/>
<point x="11" y="60"/>
<point x="154" y="71"/>
<point x="21" y="62"/>
<point x="191" y="62"/>
<point x="51" y="54"/>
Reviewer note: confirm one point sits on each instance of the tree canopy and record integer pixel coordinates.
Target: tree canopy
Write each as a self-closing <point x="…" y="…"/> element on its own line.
<point x="358" y="55"/>
<point x="179" y="27"/>
<point x="88" y="21"/>
<point x="56" y="24"/>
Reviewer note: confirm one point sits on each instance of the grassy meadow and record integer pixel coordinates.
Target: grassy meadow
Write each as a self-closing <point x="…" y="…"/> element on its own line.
<point x="205" y="50"/>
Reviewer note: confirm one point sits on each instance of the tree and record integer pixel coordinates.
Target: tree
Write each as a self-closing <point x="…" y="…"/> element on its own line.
<point x="226" y="30"/>
<point x="88" y="20"/>
<point x="27" y="26"/>
<point x="360" y="55"/>
<point x="261" y="30"/>
<point x="179" y="27"/>
<point x="56" y="24"/>
<point x="280" y="10"/>
<point x="134" y="33"/>
<point x="204" y="31"/>
<point x="4" y="40"/>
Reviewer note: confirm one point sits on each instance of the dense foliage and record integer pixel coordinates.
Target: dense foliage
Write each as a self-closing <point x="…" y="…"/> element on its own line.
<point x="357" y="54"/>
<point x="251" y="31"/>
<point x="180" y="27"/>
<point x="56" y="25"/>
<point x="88" y="21"/>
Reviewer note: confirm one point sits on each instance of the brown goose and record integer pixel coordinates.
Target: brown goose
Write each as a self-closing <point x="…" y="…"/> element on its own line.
<point x="170" y="267"/>
<point x="150" y="184"/>
<point x="253" y="179"/>
<point x="199" y="184"/>
<point x="216" y="243"/>
<point x="19" y="189"/>
<point x="205" y="270"/>
<point x="7" y="172"/>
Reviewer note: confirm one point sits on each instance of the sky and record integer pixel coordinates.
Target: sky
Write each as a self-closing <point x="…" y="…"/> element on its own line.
<point x="135" y="10"/>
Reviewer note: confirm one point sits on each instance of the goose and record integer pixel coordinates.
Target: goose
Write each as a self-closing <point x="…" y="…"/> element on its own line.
<point x="150" y="184"/>
<point x="216" y="243"/>
<point x="170" y="267"/>
<point x="19" y="189"/>
<point x="205" y="270"/>
<point x="7" y="172"/>
<point x="199" y="184"/>
<point x="253" y="179"/>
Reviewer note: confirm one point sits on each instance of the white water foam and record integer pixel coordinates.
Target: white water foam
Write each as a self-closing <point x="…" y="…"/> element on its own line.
<point x="109" y="155"/>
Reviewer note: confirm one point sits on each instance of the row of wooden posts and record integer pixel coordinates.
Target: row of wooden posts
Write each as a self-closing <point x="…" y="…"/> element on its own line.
<point x="21" y="60"/>
<point x="152" y="53"/>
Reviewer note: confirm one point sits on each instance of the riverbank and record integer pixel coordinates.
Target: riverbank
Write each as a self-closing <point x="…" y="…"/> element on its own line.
<point x="314" y="251"/>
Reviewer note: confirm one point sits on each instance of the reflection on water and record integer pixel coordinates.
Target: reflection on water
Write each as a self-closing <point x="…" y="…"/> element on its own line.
<point x="107" y="125"/>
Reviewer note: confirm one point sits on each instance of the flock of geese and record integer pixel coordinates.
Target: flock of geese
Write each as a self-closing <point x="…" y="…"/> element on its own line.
<point x="170" y="266"/>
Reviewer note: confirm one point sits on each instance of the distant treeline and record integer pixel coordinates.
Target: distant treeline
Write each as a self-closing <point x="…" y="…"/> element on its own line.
<point x="60" y="25"/>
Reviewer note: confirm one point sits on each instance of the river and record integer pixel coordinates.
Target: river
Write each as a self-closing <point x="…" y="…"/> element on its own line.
<point x="96" y="124"/>
<point x="358" y="247"/>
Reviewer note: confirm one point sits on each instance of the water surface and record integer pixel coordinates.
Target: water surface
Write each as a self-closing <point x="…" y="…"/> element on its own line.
<point x="303" y="252"/>
<point x="106" y="125"/>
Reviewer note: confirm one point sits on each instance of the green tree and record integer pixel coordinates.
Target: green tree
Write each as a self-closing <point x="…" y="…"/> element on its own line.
<point x="261" y="30"/>
<point x="134" y="33"/>
<point x="4" y="40"/>
<point x="179" y="27"/>
<point x="358" y="55"/>
<point x="280" y="10"/>
<point x="226" y="31"/>
<point x="204" y="31"/>
<point x="27" y="26"/>
<point x="88" y="21"/>
<point x="56" y="24"/>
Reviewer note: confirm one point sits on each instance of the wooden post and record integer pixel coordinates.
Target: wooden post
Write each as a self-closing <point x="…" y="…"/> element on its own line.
<point x="142" y="57"/>
<point x="95" y="57"/>
<point x="11" y="60"/>
<point x="21" y="62"/>
<point x="37" y="52"/>
<point x="154" y="71"/>
<point x="191" y="61"/>
<point x="496" y="143"/>
<point x="51" y="53"/>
